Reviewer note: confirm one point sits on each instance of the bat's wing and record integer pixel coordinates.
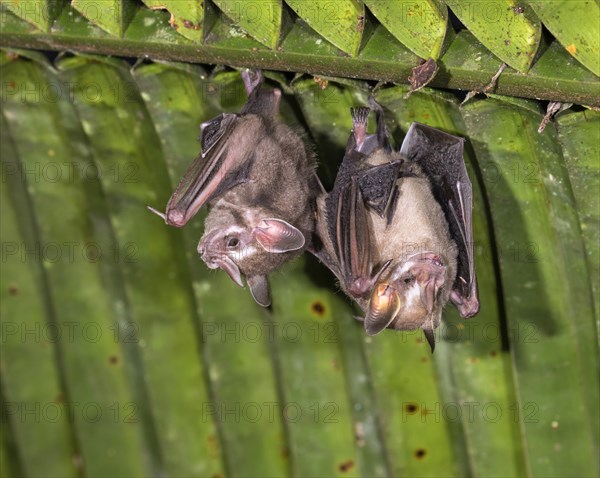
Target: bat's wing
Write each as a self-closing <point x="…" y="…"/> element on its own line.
<point x="378" y="185"/>
<point x="217" y="169"/>
<point x="351" y="242"/>
<point x="359" y="186"/>
<point x="440" y="156"/>
<point x="221" y="166"/>
<point x="350" y="236"/>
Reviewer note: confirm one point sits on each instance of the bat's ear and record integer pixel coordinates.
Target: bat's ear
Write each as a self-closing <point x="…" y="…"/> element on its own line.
<point x="384" y="305"/>
<point x="278" y="236"/>
<point x="259" y="288"/>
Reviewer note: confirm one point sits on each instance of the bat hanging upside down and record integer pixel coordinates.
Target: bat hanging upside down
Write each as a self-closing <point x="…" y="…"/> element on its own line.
<point x="396" y="228"/>
<point x="257" y="177"/>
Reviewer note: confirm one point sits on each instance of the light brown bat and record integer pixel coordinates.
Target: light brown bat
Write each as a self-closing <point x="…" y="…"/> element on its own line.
<point x="396" y="228"/>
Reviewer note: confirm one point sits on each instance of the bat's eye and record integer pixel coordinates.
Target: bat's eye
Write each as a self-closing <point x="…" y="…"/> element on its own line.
<point x="408" y="280"/>
<point x="233" y="242"/>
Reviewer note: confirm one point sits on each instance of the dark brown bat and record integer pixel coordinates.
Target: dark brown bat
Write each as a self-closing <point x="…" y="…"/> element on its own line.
<point x="396" y="228"/>
<point x="257" y="176"/>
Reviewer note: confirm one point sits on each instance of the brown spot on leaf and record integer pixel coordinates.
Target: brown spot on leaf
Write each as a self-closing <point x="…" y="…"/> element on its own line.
<point x="113" y="359"/>
<point x="318" y="308"/>
<point x="424" y="359"/>
<point x="13" y="290"/>
<point x="572" y="49"/>
<point x="346" y="466"/>
<point x="60" y="398"/>
<point x="188" y="24"/>
<point x="420" y="453"/>
<point x="493" y="353"/>
<point x="213" y="446"/>
<point x="411" y="408"/>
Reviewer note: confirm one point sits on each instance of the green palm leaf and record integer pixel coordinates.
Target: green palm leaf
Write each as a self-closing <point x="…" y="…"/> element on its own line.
<point x="379" y="40"/>
<point x="192" y="379"/>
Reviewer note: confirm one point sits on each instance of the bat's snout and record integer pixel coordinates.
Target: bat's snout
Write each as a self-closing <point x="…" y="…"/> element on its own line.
<point x="220" y="261"/>
<point x="208" y="255"/>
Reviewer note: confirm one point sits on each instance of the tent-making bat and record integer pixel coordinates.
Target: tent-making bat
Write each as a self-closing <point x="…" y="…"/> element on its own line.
<point x="257" y="177"/>
<point x="396" y="228"/>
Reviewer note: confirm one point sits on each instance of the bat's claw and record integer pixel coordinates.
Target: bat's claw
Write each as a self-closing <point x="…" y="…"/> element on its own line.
<point x="158" y="213"/>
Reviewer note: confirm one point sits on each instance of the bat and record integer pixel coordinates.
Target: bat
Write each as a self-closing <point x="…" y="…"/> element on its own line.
<point x="257" y="177"/>
<point x="396" y="228"/>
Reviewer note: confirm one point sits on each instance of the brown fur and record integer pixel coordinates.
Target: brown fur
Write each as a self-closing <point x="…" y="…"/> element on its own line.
<point x="280" y="187"/>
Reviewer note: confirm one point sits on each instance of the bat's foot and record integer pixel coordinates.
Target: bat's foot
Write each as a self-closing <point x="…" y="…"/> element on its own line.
<point x="252" y="79"/>
<point x="360" y="117"/>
